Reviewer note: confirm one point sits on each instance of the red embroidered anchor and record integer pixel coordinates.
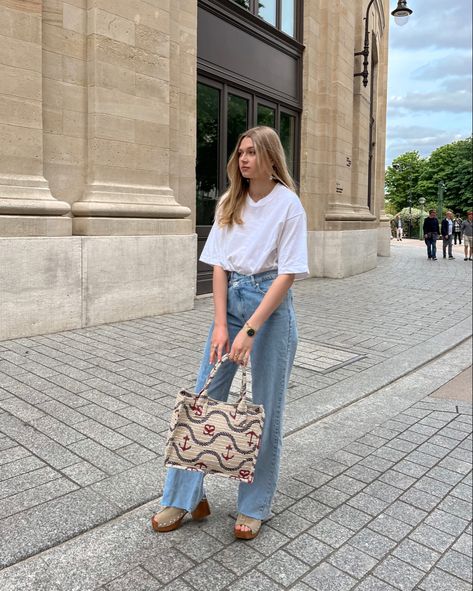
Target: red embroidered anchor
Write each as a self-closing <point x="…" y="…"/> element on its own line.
<point x="185" y="447"/>
<point x="209" y="429"/>
<point x="252" y="435"/>
<point x="198" y="410"/>
<point x="201" y="465"/>
<point x="233" y="415"/>
<point x="228" y="456"/>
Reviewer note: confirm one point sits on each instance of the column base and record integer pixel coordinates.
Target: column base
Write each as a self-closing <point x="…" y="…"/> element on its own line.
<point x="129" y="201"/>
<point x="29" y="195"/>
<point x="32" y="225"/>
<point x="384" y="241"/>
<point x="101" y="226"/>
<point x="342" y="253"/>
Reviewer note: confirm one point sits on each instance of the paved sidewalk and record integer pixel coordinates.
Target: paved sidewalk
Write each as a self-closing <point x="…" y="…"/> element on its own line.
<point x="83" y="415"/>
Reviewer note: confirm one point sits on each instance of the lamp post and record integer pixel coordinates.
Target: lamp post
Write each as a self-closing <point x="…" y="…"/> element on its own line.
<point x="401" y="15"/>
<point x="421" y="220"/>
<point x="440" y="191"/>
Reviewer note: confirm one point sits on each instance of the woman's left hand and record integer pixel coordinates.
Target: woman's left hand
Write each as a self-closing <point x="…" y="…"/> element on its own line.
<point x="241" y="348"/>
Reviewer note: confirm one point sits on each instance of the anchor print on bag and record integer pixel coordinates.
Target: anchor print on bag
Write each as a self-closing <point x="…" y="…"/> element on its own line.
<point x="215" y="437"/>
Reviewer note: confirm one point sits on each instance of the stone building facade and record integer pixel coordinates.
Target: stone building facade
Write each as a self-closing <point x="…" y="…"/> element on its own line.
<point x="98" y="123"/>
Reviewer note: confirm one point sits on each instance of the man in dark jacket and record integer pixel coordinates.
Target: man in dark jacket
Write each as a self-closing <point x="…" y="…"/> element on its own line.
<point x="447" y="235"/>
<point x="431" y="233"/>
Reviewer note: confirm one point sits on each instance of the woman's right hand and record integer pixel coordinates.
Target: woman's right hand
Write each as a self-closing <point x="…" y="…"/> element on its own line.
<point x="219" y="344"/>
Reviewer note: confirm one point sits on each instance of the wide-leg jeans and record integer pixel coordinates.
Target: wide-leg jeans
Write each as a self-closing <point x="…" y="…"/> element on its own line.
<point x="272" y="357"/>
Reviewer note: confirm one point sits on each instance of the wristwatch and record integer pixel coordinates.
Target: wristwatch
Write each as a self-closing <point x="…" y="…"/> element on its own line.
<point x="250" y="331"/>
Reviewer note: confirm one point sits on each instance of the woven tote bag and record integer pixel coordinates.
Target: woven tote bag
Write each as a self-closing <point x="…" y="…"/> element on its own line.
<point x="215" y="437"/>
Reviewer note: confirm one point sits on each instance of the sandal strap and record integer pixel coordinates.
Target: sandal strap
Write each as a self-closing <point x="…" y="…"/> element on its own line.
<point x="253" y="524"/>
<point x="179" y="515"/>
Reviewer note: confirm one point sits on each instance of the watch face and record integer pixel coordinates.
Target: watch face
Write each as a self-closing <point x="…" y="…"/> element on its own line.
<point x="250" y="332"/>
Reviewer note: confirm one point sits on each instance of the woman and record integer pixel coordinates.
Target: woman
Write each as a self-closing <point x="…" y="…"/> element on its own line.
<point x="257" y="246"/>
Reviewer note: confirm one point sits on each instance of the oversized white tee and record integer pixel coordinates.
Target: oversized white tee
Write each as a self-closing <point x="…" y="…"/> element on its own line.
<point x="273" y="236"/>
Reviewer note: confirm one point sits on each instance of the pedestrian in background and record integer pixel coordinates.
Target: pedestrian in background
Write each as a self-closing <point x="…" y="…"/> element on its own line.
<point x="467" y="231"/>
<point x="257" y="246"/>
<point x="398" y="228"/>
<point x="447" y="235"/>
<point x="431" y="234"/>
<point x="457" y="229"/>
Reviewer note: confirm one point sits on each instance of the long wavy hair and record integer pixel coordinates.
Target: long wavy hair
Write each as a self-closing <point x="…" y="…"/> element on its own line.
<point x="269" y="155"/>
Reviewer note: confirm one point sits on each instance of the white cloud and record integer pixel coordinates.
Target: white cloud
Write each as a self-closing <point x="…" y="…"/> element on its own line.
<point x="459" y="101"/>
<point x="408" y="138"/>
<point x="453" y="64"/>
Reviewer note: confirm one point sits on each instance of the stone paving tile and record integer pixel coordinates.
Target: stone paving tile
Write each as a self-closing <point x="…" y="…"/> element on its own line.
<point x="168" y="564"/>
<point x="372" y="543"/>
<point x="416" y="554"/>
<point x="328" y="578"/>
<point x="352" y="561"/>
<point x="330" y="532"/>
<point x="239" y="558"/>
<point x="283" y="568"/>
<point x="329" y="496"/>
<point x="457" y="564"/>
<point x="17" y="484"/>
<point x="420" y="499"/>
<point x="290" y="523"/>
<point x="439" y="580"/>
<point x="368" y="504"/>
<point x="464" y="544"/>
<point x="374" y="584"/>
<point x="446" y="522"/>
<point x="398" y="573"/>
<point x="309" y="549"/>
<point x="397" y="479"/>
<point x="406" y="513"/>
<point x="350" y="517"/>
<point x="390" y="527"/>
<point x="310" y="509"/>
<point x="432" y="537"/>
<point x="256" y="582"/>
<point x="209" y="576"/>
<point x="136" y="580"/>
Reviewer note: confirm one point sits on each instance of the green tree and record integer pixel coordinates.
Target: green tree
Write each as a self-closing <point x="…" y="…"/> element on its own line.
<point x="402" y="179"/>
<point x="451" y="164"/>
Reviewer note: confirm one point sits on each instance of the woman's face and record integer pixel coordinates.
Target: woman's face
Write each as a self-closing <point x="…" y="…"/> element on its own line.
<point x="250" y="167"/>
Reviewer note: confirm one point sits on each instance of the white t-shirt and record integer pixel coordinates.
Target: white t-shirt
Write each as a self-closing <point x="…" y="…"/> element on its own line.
<point x="273" y="236"/>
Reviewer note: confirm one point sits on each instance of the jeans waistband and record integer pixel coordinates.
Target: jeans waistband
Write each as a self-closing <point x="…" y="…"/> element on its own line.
<point x="257" y="277"/>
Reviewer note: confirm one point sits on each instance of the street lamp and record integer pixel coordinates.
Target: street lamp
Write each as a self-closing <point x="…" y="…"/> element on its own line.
<point x="401" y="15"/>
<point x="421" y="221"/>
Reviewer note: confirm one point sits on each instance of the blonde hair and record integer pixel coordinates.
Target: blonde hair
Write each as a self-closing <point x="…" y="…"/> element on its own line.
<point x="270" y="153"/>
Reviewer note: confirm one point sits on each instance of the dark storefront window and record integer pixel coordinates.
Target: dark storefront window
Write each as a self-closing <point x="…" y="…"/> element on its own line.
<point x="237" y="120"/>
<point x="266" y="116"/>
<point x="244" y="3"/>
<point x="287" y="134"/>
<point x="207" y="164"/>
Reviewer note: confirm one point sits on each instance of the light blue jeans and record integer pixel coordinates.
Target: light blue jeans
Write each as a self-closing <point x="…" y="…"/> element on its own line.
<point x="272" y="357"/>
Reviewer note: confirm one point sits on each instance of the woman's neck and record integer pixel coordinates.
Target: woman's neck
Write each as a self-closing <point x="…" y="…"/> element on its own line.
<point x="259" y="188"/>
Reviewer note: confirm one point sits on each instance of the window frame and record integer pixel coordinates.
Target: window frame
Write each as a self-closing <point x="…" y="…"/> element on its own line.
<point x="253" y="11"/>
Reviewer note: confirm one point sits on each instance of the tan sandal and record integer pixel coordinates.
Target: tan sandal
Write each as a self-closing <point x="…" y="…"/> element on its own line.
<point x="253" y="524"/>
<point x="170" y="518"/>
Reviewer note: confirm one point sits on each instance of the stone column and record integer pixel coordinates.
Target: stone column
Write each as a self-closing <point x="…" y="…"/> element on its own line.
<point x="128" y="60"/>
<point x="27" y="207"/>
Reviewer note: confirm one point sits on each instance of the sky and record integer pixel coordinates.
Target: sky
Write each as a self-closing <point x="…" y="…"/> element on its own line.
<point x="429" y="77"/>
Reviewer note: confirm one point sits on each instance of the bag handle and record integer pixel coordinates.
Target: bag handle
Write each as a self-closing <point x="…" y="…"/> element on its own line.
<point x="213" y="373"/>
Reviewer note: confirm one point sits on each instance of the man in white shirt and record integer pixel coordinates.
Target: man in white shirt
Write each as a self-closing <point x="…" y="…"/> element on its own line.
<point x="447" y="235"/>
<point x="398" y="227"/>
